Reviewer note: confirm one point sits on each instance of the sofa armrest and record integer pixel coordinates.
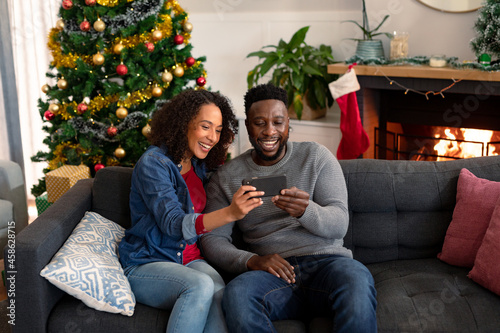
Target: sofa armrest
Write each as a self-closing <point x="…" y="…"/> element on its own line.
<point x="12" y="188"/>
<point x="32" y="296"/>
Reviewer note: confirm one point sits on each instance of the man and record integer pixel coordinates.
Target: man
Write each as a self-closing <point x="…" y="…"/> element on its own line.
<point x="295" y="265"/>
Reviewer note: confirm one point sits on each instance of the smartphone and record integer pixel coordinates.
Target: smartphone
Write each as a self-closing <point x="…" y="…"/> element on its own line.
<point x="271" y="185"/>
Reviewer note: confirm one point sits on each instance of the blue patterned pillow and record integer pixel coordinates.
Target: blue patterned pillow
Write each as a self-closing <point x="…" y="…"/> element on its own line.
<point x="87" y="266"/>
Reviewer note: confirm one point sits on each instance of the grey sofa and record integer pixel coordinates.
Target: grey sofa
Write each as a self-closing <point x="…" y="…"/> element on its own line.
<point x="13" y="203"/>
<point x="399" y="214"/>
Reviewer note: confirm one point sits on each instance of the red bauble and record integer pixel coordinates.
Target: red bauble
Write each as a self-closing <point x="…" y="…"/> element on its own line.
<point x="190" y="61"/>
<point x="112" y="131"/>
<point x="49" y="115"/>
<point x="178" y="39"/>
<point x="67" y="4"/>
<point x="201" y="81"/>
<point x="85" y="26"/>
<point x="121" y="69"/>
<point x="90" y="2"/>
<point x="98" y="167"/>
<point x="81" y="108"/>
<point x="150" y="47"/>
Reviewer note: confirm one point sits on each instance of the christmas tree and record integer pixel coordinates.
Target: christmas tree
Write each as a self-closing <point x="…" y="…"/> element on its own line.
<point x="487" y="27"/>
<point x="114" y="63"/>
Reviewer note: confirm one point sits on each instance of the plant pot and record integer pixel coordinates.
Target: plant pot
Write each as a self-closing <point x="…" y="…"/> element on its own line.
<point x="307" y="112"/>
<point x="369" y="49"/>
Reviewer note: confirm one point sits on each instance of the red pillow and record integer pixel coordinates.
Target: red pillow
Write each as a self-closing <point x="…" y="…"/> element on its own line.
<point x="476" y="200"/>
<point x="486" y="270"/>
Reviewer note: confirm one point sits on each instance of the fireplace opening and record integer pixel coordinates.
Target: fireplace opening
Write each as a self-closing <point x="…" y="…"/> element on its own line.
<point x="434" y="143"/>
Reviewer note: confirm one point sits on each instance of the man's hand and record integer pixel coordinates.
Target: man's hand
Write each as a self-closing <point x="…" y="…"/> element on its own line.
<point x="293" y="201"/>
<point x="274" y="264"/>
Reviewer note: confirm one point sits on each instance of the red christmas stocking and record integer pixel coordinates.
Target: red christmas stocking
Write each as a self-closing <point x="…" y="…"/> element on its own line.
<point x="354" y="140"/>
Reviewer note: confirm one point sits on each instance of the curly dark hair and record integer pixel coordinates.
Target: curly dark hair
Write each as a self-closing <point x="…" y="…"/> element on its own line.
<point x="262" y="92"/>
<point x="169" y="124"/>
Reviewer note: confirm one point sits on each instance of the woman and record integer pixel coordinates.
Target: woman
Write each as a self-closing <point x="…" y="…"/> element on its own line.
<point x="189" y="135"/>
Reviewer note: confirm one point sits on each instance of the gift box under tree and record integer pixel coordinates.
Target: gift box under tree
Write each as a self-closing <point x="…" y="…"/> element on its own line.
<point x="60" y="180"/>
<point x="42" y="203"/>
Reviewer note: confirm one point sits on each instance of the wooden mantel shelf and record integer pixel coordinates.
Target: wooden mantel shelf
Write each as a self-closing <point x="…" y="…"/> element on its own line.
<point x="417" y="71"/>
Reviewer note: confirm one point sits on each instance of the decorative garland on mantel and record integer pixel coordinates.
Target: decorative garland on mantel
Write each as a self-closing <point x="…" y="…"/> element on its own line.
<point x="422" y="60"/>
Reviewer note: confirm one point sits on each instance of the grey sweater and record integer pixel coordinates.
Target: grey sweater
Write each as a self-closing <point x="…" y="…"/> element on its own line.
<point x="267" y="229"/>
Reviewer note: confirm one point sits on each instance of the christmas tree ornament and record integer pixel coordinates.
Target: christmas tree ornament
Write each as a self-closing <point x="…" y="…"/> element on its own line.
<point x="157" y="91"/>
<point x="121" y="69"/>
<point x="98" y="59"/>
<point x="62" y="83"/>
<point x="82" y="108"/>
<point x="99" y="25"/>
<point x="45" y="88"/>
<point x="60" y="24"/>
<point x="90" y="3"/>
<point x="167" y="76"/>
<point x="187" y="26"/>
<point x="117" y="49"/>
<point x="121" y="113"/>
<point x="485" y="59"/>
<point x="201" y="81"/>
<point x="85" y="25"/>
<point x="178" y="39"/>
<point x="146" y="130"/>
<point x="190" y="61"/>
<point x="157" y="35"/>
<point x="98" y="167"/>
<point x="54" y="108"/>
<point x="49" y="115"/>
<point x="120" y="152"/>
<point x="179" y="71"/>
<point x="150" y="47"/>
<point x="86" y="100"/>
<point x="112" y="131"/>
<point x="67" y="4"/>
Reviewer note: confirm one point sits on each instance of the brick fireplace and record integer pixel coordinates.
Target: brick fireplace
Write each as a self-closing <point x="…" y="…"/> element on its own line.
<point x="402" y="122"/>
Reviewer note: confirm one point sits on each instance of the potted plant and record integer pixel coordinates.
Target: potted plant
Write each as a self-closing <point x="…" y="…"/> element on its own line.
<point x="367" y="46"/>
<point x="301" y="70"/>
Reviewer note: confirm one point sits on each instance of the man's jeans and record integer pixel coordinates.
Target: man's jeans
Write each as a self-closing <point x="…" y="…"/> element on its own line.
<point x="193" y="293"/>
<point x="326" y="285"/>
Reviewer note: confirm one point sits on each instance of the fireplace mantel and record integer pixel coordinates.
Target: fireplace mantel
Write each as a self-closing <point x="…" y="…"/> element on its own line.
<point x="388" y="95"/>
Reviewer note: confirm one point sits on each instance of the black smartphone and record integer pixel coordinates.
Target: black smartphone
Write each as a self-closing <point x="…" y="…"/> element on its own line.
<point x="271" y="185"/>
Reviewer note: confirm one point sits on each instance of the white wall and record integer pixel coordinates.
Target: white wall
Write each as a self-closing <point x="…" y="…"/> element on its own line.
<point x="227" y="30"/>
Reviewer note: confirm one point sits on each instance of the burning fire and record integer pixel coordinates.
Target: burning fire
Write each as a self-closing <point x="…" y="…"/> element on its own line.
<point x="470" y="146"/>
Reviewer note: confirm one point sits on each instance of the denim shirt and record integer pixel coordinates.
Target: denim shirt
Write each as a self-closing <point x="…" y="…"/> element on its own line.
<point x="162" y="214"/>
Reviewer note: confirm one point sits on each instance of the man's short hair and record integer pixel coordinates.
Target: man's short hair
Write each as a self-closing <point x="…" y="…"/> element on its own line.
<point x="263" y="92"/>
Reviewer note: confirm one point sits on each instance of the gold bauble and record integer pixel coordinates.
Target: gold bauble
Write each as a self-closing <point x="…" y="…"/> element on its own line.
<point x="120" y="152"/>
<point x="62" y="84"/>
<point x="157" y="35"/>
<point x="188" y="27"/>
<point x="54" y="108"/>
<point x="98" y="59"/>
<point x="167" y="76"/>
<point x="179" y="71"/>
<point x="121" y="112"/>
<point x="99" y="25"/>
<point x="60" y="24"/>
<point x="157" y="92"/>
<point x="45" y="88"/>
<point x="146" y="130"/>
<point x="117" y="49"/>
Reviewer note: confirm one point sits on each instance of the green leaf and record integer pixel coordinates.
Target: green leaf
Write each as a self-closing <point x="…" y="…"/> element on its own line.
<point x="260" y="54"/>
<point x="297" y="105"/>
<point x="298" y="38"/>
<point x="319" y="94"/>
<point x="298" y="81"/>
<point x="309" y="69"/>
<point x="267" y="64"/>
<point x="380" y="24"/>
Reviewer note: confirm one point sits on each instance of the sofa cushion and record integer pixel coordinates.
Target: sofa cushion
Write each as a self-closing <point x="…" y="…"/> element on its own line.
<point x="476" y="200"/>
<point x="87" y="266"/>
<point x="428" y="295"/>
<point x="486" y="270"/>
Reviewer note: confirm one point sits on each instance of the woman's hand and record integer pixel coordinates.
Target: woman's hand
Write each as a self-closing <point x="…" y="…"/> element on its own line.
<point x="244" y="200"/>
<point x="293" y="201"/>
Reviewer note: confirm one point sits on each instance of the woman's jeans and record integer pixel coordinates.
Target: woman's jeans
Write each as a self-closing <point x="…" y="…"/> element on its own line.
<point x="326" y="285"/>
<point x="193" y="293"/>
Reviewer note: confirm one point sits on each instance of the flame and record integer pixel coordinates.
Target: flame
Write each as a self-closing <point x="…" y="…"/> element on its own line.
<point x="448" y="146"/>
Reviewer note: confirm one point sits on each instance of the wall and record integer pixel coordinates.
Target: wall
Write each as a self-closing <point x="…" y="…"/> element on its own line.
<point x="227" y="30"/>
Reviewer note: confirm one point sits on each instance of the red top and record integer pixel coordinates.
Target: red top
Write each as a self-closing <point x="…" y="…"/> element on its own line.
<point x="199" y="200"/>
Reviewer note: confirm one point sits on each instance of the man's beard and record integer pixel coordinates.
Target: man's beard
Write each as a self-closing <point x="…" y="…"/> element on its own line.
<point x="261" y="154"/>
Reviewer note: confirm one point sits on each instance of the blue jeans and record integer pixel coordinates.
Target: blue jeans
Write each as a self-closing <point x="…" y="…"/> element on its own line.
<point x="326" y="285"/>
<point x="193" y="293"/>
